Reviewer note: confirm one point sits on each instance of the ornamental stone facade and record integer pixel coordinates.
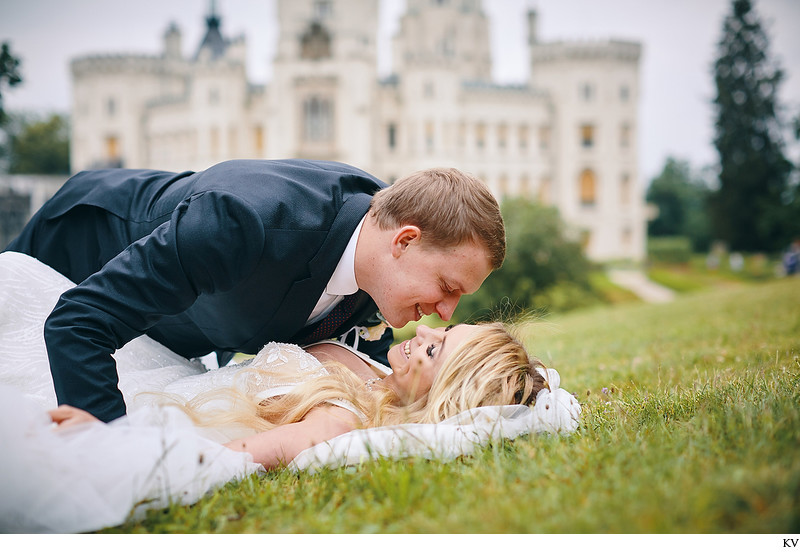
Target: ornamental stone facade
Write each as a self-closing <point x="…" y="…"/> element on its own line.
<point x="567" y="137"/>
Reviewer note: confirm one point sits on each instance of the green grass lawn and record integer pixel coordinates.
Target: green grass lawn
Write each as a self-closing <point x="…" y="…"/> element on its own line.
<point x="691" y="425"/>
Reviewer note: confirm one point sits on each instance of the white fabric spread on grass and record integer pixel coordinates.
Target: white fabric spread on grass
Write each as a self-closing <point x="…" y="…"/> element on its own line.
<point x="99" y="475"/>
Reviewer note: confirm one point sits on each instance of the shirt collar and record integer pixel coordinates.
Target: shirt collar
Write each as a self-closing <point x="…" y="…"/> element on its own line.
<point x="343" y="280"/>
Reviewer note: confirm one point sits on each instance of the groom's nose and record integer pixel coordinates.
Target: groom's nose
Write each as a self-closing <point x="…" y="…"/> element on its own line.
<point x="447" y="306"/>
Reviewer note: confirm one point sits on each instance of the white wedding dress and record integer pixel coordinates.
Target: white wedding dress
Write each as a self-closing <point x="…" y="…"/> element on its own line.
<point x="98" y="475"/>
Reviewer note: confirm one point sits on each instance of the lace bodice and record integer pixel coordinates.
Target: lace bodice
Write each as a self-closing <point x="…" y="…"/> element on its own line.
<point x="280" y="367"/>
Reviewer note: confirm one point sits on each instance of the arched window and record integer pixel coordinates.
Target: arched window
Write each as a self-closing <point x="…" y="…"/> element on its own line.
<point x="588" y="187"/>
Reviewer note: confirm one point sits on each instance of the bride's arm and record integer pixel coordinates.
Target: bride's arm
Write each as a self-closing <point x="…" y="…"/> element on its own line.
<point x="277" y="447"/>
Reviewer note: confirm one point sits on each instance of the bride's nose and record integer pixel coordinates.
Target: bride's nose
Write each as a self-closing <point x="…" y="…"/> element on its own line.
<point x="424" y="331"/>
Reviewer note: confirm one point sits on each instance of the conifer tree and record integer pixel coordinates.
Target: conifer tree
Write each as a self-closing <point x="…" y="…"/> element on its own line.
<point x="9" y="74"/>
<point x="748" y="211"/>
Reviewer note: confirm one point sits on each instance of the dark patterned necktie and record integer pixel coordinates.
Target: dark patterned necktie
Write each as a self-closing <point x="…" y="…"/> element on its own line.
<point x="343" y="310"/>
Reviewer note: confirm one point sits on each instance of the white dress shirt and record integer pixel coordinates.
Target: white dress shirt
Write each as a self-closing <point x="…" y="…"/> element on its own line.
<point x="342" y="282"/>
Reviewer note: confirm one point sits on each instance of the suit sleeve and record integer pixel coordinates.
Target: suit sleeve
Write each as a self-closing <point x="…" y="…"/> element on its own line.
<point x="210" y="243"/>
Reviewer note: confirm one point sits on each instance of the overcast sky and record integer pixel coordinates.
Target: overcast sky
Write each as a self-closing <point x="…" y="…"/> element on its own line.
<point x="679" y="40"/>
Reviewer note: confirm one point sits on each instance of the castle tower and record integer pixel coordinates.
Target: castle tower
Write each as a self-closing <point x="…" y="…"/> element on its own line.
<point x="440" y="47"/>
<point x="445" y="34"/>
<point x="325" y="77"/>
<point x="593" y="88"/>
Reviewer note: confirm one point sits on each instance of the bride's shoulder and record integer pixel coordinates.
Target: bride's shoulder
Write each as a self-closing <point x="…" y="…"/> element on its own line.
<point x="346" y="355"/>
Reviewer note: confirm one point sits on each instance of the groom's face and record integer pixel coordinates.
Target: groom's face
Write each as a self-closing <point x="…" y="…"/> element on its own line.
<point x="423" y="280"/>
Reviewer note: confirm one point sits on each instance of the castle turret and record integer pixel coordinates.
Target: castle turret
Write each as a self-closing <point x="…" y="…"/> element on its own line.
<point x="172" y="42"/>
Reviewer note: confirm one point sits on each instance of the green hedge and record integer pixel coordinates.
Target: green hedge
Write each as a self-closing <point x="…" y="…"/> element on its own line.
<point x="669" y="249"/>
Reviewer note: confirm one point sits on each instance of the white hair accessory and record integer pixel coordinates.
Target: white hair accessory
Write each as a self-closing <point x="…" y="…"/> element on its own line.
<point x="556" y="410"/>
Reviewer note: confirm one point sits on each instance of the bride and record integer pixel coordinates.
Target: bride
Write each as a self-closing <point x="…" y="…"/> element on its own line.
<point x="189" y="430"/>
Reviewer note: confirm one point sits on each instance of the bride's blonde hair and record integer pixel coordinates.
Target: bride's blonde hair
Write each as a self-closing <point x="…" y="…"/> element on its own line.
<point x="489" y="367"/>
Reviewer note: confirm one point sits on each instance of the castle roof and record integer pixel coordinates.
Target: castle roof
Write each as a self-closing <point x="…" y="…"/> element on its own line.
<point x="213" y="40"/>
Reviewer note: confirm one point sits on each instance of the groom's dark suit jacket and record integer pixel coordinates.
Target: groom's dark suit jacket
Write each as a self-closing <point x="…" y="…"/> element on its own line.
<point x="223" y="260"/>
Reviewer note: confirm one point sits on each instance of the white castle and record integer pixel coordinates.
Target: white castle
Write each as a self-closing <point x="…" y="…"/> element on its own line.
<point x="568" y="137"/>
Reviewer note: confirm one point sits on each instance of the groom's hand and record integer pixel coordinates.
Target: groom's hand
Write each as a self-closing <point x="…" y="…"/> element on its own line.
<point x="66" y="416"/>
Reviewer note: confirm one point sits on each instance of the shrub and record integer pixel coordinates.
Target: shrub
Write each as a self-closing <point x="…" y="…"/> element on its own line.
<point x="669" y="249"/>
<point x="545" y="268"/>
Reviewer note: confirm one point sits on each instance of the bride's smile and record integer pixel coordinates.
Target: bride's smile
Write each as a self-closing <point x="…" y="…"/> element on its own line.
<point x="416" y="362"/>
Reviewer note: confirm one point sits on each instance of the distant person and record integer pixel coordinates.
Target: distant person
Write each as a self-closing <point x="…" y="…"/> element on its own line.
<point x="246" y="252"/>
<point x="791" y="259"/>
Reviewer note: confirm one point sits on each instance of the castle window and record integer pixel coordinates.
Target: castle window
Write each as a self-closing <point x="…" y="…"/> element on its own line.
<point x="502" y="136"/>
<point x="503" y="185"/>
<point x="625" y="136"/>
<point x="111" y="107"/>
<point x="462" y="135"/>
<point x="213" y="96"/>
<point x="625" y="189"/>
<point x="588" y="188"/>
<point x="587" y="136"/>
<point x="428" y="90"/>
<point x="258" y="139"/>
<point x="112" y="147"/>
<point x="14" y="213"/>
<point x="544" y="191"/>
<point x="391" y="135"/>
<point x="233" y="142"/>
<point x="323" y="9"/>
<point x="315" y="43"/>
<point x="214" y="141"/>
<point x="587" y="92"/>
<point x="480" y="135"/>
<point x="544" y="138"/>
<point x="523" y="137"/>
<point x="624" y="93"/>
<point x="586" y="239"/>
<point x="429" y="136"/>
<point x="627" y="236"/>
<point x="318" y="119"/>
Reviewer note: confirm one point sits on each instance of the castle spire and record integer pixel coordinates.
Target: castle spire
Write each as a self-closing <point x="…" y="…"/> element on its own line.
<point x="213" y="40"/>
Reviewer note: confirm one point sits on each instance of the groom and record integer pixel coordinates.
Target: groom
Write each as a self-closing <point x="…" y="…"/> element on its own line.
<point x="246" y="252"/>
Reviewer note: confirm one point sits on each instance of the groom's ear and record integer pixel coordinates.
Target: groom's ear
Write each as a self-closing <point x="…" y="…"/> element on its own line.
<point x="404" y="237"/>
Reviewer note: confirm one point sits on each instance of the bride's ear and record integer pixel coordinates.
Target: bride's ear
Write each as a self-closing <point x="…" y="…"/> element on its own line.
<point x="404" y="237"/>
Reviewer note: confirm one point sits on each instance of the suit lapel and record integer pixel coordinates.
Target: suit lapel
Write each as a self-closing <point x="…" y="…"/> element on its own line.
<point x="302" y="296"/>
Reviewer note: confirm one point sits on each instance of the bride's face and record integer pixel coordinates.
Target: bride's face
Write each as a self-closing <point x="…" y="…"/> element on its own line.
<point x="416" y="362"/>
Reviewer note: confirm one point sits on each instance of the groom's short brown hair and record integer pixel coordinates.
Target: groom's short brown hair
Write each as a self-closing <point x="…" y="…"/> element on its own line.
<point x="449" y="206"/>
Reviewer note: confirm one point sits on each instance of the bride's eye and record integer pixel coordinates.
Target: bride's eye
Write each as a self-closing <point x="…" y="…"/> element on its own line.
<point x="430" y="350"/>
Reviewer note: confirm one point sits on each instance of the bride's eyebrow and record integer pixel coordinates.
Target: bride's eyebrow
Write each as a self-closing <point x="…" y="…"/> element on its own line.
<point x="441" y="346"/>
